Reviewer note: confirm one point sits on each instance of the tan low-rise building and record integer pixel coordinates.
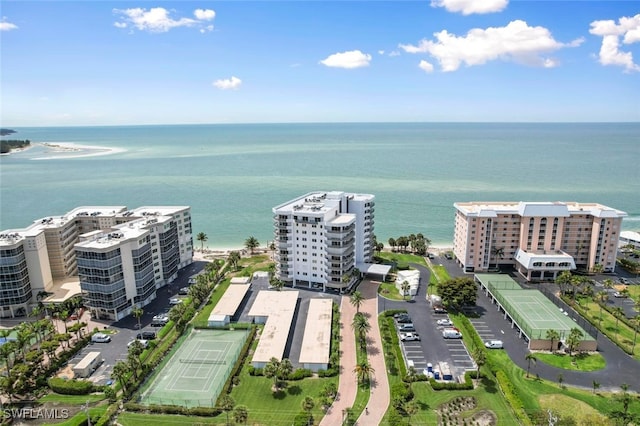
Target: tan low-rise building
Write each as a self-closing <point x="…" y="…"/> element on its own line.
<point x="538" y="239"/>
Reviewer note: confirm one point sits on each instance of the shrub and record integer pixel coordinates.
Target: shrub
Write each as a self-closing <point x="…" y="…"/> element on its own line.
<point x="330" y="372"/>
<point x="300" y="374"/>
<point x="512" y="397"/>
<point x="70" y="387"/>
<point x="253" y="371"/>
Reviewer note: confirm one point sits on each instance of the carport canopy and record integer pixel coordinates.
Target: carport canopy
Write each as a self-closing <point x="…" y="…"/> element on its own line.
<point x="374" y="269"/>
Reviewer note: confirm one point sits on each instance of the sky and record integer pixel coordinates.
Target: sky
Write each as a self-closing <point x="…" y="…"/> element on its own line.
<point x="99" y="62"/>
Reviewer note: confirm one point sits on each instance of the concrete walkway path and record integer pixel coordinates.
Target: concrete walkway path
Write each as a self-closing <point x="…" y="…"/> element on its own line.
<point x="347" y="385"/>
<point x="379" y="397"/>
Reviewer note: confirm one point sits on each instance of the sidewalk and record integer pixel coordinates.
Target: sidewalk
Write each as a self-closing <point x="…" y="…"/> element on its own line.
<point x="379" y="398"/>
<point x="347" y="385"/>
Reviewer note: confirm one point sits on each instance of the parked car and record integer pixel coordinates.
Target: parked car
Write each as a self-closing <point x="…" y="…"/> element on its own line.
<point x="448" y="256"/>
<point x="183" y="291"/>
<point x="159" y="320"/>
<point x="451" y="333"/>
<point x="409" y="337"/>
<point x="146" y="335"/>
<point x="100" y="338"/>
<point x="431" y="255"/>
<point x="144" y="343"/>
<point x="400" y="314"/>
<point x="494" y="344"/>
<point x="406" y="327"/>
<point x="404" y="320"/>
<point x="175" y="301"/>
<point x="623" y="280"/>
<point x="619" y="295"/>
<point x="439" y="310"/>
<point x="445" y="322"/>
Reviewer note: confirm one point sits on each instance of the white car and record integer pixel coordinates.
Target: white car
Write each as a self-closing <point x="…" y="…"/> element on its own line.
<point x="619" y="295"/>
<point x="494" y="344"/>
<point x="100" y="338"/>
<point x="144" y="343"/>
<point x="445" y="322"/>
<point x="409" y="337"/>
<point x="175" y="301"/>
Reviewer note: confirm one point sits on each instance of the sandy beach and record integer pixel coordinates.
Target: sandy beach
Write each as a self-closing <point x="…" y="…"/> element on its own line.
<point x="65" y="150"/>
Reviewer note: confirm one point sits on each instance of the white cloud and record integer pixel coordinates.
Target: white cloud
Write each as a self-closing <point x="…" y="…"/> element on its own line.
<point x="7" y="26"/>
<point x="394" y="53"/>
<point x="350" y="59"/>
<point x="204" y="14"/>
<point x="425" y="66"/>
<point x="158" y="19"/>
<point x="228" y="84"/>
<point x="468" y="7"/>
<point x="517" y="42"/>
<point x="381" y="52"/>
<point x="610" y="53"/>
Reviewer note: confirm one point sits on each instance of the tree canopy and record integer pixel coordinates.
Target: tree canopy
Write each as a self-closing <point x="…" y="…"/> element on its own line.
<point x="457" y="292"/>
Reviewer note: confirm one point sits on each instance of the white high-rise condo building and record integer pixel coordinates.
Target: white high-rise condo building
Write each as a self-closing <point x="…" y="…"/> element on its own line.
<point x="320" y="237"/>
<point x="538" y="239"/>
<point x="116" y="258"/>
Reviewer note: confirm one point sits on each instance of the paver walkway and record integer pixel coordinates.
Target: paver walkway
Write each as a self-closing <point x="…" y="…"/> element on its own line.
<point x="348" y="385"/>
<point x="379" y="397"/>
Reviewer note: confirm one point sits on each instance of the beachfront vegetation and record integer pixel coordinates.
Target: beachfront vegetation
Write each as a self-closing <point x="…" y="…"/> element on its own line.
<point x="415" y="243"/>
<point x="8" y="145"/>
<point x="251" y="244"/>
<point x="458" y="292"/>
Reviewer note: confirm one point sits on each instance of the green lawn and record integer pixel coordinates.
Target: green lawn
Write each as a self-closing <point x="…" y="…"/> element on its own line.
<point x="202" y="318"/>
<point x="621" y="334"/>
<point x="581" y="362"/>
<point x="402" y="257"/>
<point x="390" y="291"/>
<point x="269" y="408"/>
<point x="81" y="417"/>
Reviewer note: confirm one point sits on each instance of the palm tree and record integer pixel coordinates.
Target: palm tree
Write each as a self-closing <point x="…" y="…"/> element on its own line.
<point x="617" y="312"/>
<point x="133" y="357"/>
<point x="498" y="253"/>
<point x="307" y="405"/>
<point x="176" y="315"/>
<point x="285" y="369"/>
<point x="530" y="358"/>
<point x="412" y="376"/>
<point x="480" y="356"/>
<point x="202" y="237"/>
<point x="575" y="336"/>
<point x="363" y="371"/>
<point x="608" y="283"/>
<point x="392" y="244"/>
<point x="226" y="404"/>
<point x="241" y="414"/>
<point x="357" y="299"/>
<point x="405" y="286"/>
<point x="361" y="326"/>
<point x="120" y="372"/>
<point x="251" y="244"/>
<point x="597" y="268"/>
<point x="271" y="369"/>
<point x="233" y="259"/>
<point x="636" y="324"/>
<point x="552" y="335"/>
<point x="137" y="314"/>
<point x="563" y="280"/>
<point x="601" y="298"/>
<point x="411" y="408"/>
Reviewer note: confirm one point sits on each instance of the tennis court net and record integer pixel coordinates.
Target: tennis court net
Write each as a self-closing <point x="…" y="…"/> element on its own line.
<point x="202" y="361"/>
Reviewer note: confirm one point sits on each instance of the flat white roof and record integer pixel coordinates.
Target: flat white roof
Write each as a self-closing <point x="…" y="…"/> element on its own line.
<point x="342" y="219"/>
<point x="87" y="360"/>
<point x="527" y="259"/>
<point x="540" y="209"/>
<point x="279" y="307"/>
<point x="316" y="342"/>
<point x="230" y="300"/>
<point x="240" y="280"/>
<point x="630" y="236"/>
<point x="373" y="268"/>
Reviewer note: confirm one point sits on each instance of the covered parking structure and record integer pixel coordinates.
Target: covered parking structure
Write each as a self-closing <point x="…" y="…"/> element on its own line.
<point x="531" y="312"/>
<point x="228" y="305"/>
<point x="316" y="343"/>
<point x="374" y="270"/>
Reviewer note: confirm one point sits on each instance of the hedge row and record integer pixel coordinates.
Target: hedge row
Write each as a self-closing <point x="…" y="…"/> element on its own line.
<point x="512" y="397"/>
<point x="228" y="385"/>
<point x="105" y="419"/>
<point x="298" y="374"/>
<point x="173" y="409"/>
<point x="467" y="385"/>
<point x="70" y="387"/>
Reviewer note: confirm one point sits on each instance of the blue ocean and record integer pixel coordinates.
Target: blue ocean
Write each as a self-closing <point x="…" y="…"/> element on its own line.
<point x="232" y="175"/>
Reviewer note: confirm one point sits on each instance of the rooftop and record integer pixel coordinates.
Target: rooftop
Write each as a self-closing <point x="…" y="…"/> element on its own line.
<point x="279" y="307"/>
<point x="317" y="333"/>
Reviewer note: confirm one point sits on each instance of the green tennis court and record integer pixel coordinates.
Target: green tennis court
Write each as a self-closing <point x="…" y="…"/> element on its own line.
<point x="530" y="309"/>
<point x="195" y="373"/>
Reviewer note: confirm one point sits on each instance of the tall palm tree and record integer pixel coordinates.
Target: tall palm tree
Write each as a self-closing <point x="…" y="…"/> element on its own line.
<point x="412" y="376"/>
<point x="480" y="357"/>
<point x="552" y="335"/>
<point x="361" y="326"/>
<point x="363" y="371"/>
<point x="636" y="325"/>
<point x="602" y="298"/>
<point x="226" y="404"/>
<point x="271" y="369"/>
<point x="405" y="286"/>
<point x="241" y="414"/>
<point x="233" y="259"/>
<point x="120" y="371"/>
<point x="356" y="299"/>
<point x="617" y="312"/>
<point x="307" y="405"/>
<point x="251" y="244"/>
<point x="285" y="369"/>
<point x="137" y="314"/>
<point x="202" y="237"/>
<point x="411" y="408"/>
<point x="531" y="357"/>
<point x="498" y="253"/>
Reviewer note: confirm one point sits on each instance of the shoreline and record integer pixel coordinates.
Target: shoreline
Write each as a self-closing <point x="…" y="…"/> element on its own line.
<point x="61" y="149"/>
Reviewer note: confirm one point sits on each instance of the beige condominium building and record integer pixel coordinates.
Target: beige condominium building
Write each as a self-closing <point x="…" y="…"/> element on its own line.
<point x="115" y="257"/>
<point x="320" y="237"/>
<point x="538" y="239"/>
